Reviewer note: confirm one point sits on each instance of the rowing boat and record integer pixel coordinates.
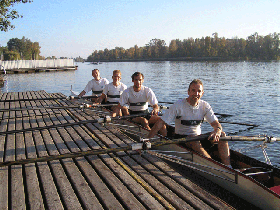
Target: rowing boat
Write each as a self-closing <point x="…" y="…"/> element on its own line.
<point x="252" y="180"/>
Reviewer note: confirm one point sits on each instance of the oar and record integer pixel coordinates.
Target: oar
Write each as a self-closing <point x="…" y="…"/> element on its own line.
<point x="83" y="97"/>
<point x="204" y="137"/>
<point x="145" y="144"/>
<point x="237" y="123"/>
<point x="31" y="99"/>
<point x="100" y="120"/>
<point x="41" y="99"/>
<point x="267" y="139"/>
<point x="47" y="107"/>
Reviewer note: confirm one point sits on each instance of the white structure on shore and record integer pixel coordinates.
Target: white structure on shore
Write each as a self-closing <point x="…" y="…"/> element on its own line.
<point x="25" y="65"/>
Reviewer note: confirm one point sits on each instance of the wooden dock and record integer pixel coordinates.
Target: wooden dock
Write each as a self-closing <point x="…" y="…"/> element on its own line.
<point x="122" y="180"/>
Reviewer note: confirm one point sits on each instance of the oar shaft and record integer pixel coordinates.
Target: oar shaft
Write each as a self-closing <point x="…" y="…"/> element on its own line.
<point x="39" y="108"/>
<point x="64" y="156"/>
<point x="99" y="120"/>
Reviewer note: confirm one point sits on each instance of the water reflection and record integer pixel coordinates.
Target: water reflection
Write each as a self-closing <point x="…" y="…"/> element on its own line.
<point x="250" y="91"/>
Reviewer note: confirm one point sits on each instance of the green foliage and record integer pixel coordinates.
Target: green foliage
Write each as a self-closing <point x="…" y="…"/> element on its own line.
<point x="255" y="47"/>
<point x="22" y="49"/>
<point x="7" y="13"/>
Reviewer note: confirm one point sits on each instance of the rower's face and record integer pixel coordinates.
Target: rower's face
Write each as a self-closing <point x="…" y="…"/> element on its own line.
<point x="116" y="77"/>
<point x="195" y="92"/>
<point x="95" y="74"/>
<point x="138" y="80"/>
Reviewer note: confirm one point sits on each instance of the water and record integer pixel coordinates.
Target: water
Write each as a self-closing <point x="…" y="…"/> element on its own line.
<point x="250" y="91"/>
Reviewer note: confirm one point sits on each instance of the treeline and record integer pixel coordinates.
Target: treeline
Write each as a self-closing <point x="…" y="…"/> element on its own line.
<point x="254" y="47"/>
<point x="21" y="49"/>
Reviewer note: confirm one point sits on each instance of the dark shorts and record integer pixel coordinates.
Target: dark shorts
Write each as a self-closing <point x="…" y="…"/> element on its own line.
<point x="141" y="112"/>
<point x="205" y="143"/>
<point x="110" y="103"/>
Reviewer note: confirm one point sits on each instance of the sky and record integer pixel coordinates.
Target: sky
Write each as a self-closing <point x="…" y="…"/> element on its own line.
<point x="73" y="28"/>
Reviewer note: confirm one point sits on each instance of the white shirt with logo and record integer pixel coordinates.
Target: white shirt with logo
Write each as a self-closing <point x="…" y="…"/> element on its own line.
<point x="113" y="92"/>
<point x="96" y="86"/>
<point x="188" y="118"/>
<point x="138" y="101"/>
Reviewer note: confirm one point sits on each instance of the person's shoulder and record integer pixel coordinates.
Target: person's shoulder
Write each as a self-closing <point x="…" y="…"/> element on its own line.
<point x="123" y="85"/>
<point x="204" y="102"/>
<point x="180" y="101"/>
<point x="128" y="89"/>
<point x="109" y="84"/>
<point x="147" y="88"/>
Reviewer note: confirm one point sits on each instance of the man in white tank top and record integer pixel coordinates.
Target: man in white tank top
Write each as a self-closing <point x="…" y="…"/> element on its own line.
<point x="137" y="98"/>
<point x="112" y="92"/>
<point x="95" y="85"/>
<point x="188" y="115"/>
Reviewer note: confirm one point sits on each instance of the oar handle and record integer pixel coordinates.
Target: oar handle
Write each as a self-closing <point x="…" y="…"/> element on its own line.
<point x="267" y="139"/>
<point x="77" y="97"/>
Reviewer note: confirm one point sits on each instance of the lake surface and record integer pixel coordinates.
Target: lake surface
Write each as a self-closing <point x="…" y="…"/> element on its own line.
<point x="249" y="91"/>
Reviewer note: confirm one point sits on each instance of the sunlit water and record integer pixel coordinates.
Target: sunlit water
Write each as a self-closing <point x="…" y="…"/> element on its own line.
<point x="250" y="91"/>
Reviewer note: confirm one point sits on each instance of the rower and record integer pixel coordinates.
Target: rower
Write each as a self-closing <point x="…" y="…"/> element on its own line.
<point x="188" y="114"/>
<point x="112" y="93"/>
<point x="95" y="85"/>
<point x="137" y="98"/>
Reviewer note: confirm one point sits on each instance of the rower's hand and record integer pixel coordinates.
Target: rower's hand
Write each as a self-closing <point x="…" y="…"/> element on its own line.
<point x="215" y="135"/>
<point x="155" y="111"/>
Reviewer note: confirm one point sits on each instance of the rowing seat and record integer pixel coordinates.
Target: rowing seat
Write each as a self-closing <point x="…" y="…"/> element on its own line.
<point x="260" y="174"/>
<point x="276" y="189"/>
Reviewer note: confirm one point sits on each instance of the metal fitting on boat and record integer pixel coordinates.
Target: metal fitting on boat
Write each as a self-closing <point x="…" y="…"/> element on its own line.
<point x="269" y="139"/>
<point x="146" y="143"/>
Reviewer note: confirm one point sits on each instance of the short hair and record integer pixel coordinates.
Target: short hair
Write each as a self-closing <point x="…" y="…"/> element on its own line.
<point x="95" y="69"/>
<point x="117" y="72"/>
<point x="137" y="74"/>
<point x="196" y="81"/>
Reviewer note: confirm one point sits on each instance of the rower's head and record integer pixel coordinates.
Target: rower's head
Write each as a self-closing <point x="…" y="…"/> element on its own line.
<point x="95" y="73"/>
<point x="117" y="76"/>
<point x="195" y="91"/>
<point x="137" y="79"/>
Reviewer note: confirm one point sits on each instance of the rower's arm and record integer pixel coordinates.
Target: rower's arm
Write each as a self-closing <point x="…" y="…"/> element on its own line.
<point x="100" y="98"/>
<point x="116" y="110"/>
<point x="216" y="134"/>
<point x="82" y="94"/>
<point x="159" y="124"/>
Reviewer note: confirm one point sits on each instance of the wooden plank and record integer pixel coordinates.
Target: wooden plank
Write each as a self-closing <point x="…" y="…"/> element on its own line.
<point x="51" y="196"/>
<point x="189" y="185"/>
<point x="134" y="187"/>
<point x="4" y="188"/>
<point x="65" y="142"/>
<point x="86" y="195"/>
<point x="34" y="196"/>
<point x="65" y="190"/>
<point x="3" y="171"/>
<point x="160" y="187"/>
<point x="17" y="186"/>
<point x="154" y="203"/>
<point x="116" y="186"/>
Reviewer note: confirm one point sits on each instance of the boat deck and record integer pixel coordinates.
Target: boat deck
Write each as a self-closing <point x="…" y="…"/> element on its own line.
<point x="120" y="180"/>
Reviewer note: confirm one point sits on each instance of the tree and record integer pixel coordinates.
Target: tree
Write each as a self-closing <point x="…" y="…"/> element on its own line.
<point x="27" y="49"/>
<point x="7" y="14"/>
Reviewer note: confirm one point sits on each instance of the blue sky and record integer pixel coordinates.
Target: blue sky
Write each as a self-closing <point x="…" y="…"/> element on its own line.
<point x="72" y="28"/>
